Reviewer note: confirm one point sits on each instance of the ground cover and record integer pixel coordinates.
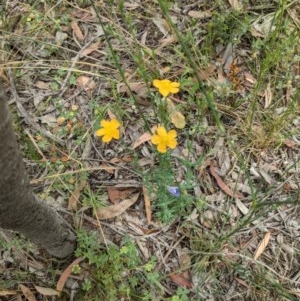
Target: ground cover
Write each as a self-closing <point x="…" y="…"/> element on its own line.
<point x="167" y="134"/>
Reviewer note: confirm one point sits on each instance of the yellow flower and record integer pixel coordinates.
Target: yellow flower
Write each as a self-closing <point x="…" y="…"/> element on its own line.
<point x="165" y="86"/>
<point x="109" y="130"/>
<point x="164" y="139"/>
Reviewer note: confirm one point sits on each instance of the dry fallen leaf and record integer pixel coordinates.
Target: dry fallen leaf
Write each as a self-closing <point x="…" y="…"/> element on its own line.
<point x="90" y="49"/>
<point x="185" y="263"/>
<point x="73" y="199"/>
<point x="46" y="291"/>
<point x="181" y="281"/>
<point x="290" y="143"/>
<point x="7" y="292"/>
<point x="142" y="139"/>
<point x="268" y="96"/>
<point x="178" y="120"/>
<point x="42" y="85"/>
<point x="140" y="88"/>
<point x="27" y="293"/>
<point x="66" y="273"/>
<point x="200" y="14"/>
<point x="236" y="4"/>
<point x="176" y="117"/>
<point x="206" y="73"/>
<point x="147" y="201"/>
<point x="111" y="114"/>
<point x="241" y="206"/>
<point x="107" y="167"/>
<point x="162" y="25"/>
<point x="116" y="193"/>
<point x="115" y="210"/>
<point x="263" y="25"/>
<point x="77" y="31"/>
<point x="222" y="185"/>
<point x="262" y="246"/>
<point x="131" y="6"/>
<point x="85" y="83"/>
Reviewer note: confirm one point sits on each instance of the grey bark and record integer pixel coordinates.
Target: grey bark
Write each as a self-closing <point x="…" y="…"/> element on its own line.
<point x="20" y="209"/>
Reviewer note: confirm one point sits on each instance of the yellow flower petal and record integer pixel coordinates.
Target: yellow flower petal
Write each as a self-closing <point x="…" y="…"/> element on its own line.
<point x="165" y="86"/>
<point x="164" y="139"/>
<point x="109" y="130"/>
<point x="156" y="83"/>
<point x="172" y="143"/>
<point x="100" y="132"/>
<point x="174" y="84"/>
<point x="161" y="131"/>
<point x="164" y="91"/>
<point x="162" y="148"/>
<point x="115" y="134"/>
<point x="104" y="123"/>
<point x="115" y="123"/>
<point x="106" y="138"/>
<point x="172" y="134"/>
<point x="155" y="139"/>
<point x="173" y="90"/>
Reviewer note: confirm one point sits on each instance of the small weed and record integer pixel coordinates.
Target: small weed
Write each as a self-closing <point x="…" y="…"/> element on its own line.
<point x="117" y="271"/>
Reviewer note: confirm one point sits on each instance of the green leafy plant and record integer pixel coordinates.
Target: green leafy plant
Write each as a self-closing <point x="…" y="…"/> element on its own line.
<point x="116" y="272"/>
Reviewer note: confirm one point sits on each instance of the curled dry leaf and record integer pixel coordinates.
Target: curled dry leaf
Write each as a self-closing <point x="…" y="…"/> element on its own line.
<point x="27" y="293"/>
<point x="115" y="210"/>
<point x="77" y="31"/>
<point x="73" y="199"/>
<point x="268" y="96"/>
<point x="116" y="193"/>
<point x="162" y="25"/>
<point x="176" y="117"/>
<point x="263" y="25"/>
<point x="85" y="83"/>
<point x="181" y="281"/>
<point x="262" y="246"/>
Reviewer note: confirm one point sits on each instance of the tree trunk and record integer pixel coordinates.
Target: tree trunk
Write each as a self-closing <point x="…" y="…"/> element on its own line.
<point x="20" y="209"/>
